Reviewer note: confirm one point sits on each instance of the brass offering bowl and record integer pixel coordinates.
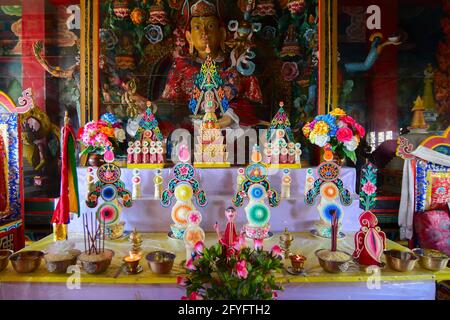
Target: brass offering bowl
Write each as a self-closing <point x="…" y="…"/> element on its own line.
<point x="400" y="261"/>
<point x="55" y="265"/>
<point x="160" y="262"/>
<point x="26" y="261"/>
<point x="96" y="263"/>
<point x="4" y="255"/>
<point x="430" y="259"/>
<point x="333" y="266"/>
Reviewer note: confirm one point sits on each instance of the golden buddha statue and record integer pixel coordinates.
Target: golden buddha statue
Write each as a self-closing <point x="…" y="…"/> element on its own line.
<point x="206" y="35"/>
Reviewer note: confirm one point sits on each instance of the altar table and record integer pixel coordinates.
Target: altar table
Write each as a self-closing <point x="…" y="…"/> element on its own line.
<point x="147" y="215"/>
<point x="316" y="284"/>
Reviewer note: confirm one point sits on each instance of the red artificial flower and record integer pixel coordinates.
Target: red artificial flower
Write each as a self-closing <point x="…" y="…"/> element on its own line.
<point x="241" y="269"/>
<point x="348" y="120"/>
<point x="190" y="264"/>
<point x="181" y="281"/>
<point x="276" y="251"/>
<point x="344" y="134"/>
<point x="230" y="252"/>
<point x="258" y="243"/>
<point x="360" y="130"/>
<point x="195" y="296"/>
<point x="198" y="247"/>
<point x="274" y="294"/>
<point x="80" y="133"/>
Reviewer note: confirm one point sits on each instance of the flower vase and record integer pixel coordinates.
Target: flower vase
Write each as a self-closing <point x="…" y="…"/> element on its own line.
<point x="339" y="160"/>
<point x="94" y="160"/>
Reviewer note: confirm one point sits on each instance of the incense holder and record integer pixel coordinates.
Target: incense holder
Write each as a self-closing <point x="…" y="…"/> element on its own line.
<point x="58" y="263"/>
<point x="333" y="261"/>
<point x="96" y="263"/>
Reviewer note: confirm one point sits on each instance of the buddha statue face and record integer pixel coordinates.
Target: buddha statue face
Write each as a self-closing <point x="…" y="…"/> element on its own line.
<point x="206" y="31"/>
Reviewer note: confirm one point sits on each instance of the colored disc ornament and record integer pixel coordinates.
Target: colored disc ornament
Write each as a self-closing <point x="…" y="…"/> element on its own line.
<point x="136" y="180"/>
<point x="256" y="172"/>
<point x="258" y="214"/>
<point x="329" y="190"/>
<point x="108" y="213"/>
<point x="109" y="193"/>
<point x="325" y="211"/>
<point x="257" y="192"/>
<point x="328" y="171"/>
<point x="180" y="212"/>
<point x="108" y="173"/>
<point x="184" y="171"/>
<point x="183" y="192"/>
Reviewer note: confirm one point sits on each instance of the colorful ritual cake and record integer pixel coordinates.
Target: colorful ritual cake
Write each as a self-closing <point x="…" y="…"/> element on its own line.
<point x="280" y="150"/>
<point x="148" y="149"/>
<point x="209" y="97"/>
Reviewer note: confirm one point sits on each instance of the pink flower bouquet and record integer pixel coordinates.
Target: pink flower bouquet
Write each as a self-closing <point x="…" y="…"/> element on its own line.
<point x="96" y="136"/>
<point x="221" y="272"/>
<point x="336" y="129"/>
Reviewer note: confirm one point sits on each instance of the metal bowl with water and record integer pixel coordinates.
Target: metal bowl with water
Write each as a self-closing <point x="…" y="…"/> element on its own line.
<point x="4" y="258"/>
<point x="430" y="259"/>
<point x="401" y="261"/>
<point x="26" y="261"/>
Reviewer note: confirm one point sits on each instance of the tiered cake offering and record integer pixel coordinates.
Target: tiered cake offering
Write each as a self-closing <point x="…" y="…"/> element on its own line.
<point x="149" y="149"/>
<point x="280" y="149"/>
<point x="209" y="96"/>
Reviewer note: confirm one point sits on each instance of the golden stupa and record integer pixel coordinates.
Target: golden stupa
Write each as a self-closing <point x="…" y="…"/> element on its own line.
<point x="418" y="121"/>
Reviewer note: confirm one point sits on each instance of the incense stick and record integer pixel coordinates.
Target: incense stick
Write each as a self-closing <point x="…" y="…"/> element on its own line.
<point x="84" y="231"/>
<point x="104" y="236"/>
<point x="334" y="228"/>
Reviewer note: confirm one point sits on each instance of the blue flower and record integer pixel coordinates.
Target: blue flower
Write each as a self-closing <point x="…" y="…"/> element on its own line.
<point x="110" y="118"/>
<point x="225" y="104"/>
<point x="192" y="105"/>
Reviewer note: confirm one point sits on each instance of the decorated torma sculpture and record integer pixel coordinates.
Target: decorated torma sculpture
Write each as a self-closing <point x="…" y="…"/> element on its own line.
<point x="370" y="241"/>
<point x="256" y="188"/>
<point x="109" y="187"/>
<point x="280" y="148"/>
<point x="194" y="233"/>
<point x="209" y="96"/>
<point x="333" y="193"/>
<point x="148" y="150"/>
<point x="183" y="187"/>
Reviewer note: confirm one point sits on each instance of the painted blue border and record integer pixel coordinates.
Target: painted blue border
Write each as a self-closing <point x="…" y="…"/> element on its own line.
<point x="12" y="121"/>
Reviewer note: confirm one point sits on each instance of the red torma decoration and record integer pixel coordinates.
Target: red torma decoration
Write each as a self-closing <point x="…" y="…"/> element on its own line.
<point x="370" y="241"/>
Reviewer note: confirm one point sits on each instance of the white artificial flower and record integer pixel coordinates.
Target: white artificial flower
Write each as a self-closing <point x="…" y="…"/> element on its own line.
<point x="321" y="139"/>
<point x="352" y="144"/>
<point x="119" y="134"/>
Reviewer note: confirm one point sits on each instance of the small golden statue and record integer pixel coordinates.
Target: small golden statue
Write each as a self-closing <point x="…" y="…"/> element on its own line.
<point x="285" y="242"/>
<point x="418" y="121"/>
<point x="136" y="243"/>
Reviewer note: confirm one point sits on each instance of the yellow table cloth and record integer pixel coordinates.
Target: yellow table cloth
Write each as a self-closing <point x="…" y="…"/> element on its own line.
<point x="304" y="243"/>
